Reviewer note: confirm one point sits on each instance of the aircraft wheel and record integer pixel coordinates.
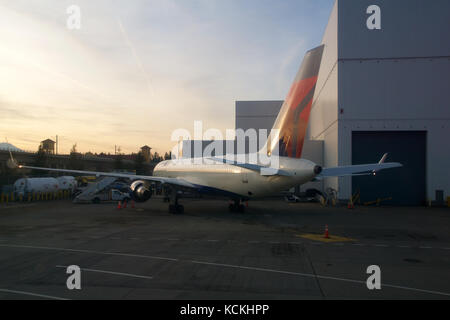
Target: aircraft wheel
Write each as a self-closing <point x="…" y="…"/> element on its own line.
<point x="236" y="208"/>
<point x="176" y="209"/>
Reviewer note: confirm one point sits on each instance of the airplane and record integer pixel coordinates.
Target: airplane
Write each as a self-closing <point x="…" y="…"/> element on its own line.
<point x="242" y="181"/>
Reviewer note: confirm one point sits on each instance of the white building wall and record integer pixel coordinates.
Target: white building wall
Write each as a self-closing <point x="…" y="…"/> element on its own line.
<point x="324" y="113"/>
<point x="391" y="79"/>
<point x="396" y="78"/>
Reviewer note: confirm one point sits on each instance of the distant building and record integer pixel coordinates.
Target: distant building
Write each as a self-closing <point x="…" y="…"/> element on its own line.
<point x="48" y="146"/>
<point x="146" y="152"/>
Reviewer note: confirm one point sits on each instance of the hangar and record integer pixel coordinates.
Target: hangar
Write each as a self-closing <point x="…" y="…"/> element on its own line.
<point x="383" y="87"/>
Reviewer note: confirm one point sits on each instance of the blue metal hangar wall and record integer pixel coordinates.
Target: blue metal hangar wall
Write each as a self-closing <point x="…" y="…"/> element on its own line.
<point x="384" y="87"/>
<point x="380" y="89"/>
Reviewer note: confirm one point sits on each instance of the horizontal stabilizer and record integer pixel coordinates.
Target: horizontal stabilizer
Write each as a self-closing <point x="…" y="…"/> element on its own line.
<point x="362" y="169"/>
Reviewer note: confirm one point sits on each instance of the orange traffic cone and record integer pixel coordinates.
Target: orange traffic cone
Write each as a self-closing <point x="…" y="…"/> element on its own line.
<point x="125" y="204"/>
<point x="327" y="235"/>
<point x="119" y="205"/>
<point x="350" y="204"/>
<point x="132" y="204"/>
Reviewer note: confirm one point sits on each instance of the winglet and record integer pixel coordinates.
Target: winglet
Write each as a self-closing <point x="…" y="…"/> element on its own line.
<point x="383" y="158"/>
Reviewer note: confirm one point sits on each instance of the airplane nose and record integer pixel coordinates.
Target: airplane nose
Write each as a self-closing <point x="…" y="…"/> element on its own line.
<point x="317" y="169"/>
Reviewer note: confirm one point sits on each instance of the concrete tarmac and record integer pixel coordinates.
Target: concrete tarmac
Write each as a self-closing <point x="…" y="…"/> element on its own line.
<point x="273" y="251"/>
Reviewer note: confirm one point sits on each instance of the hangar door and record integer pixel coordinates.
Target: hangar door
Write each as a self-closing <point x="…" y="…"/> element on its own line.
<point x="406" y="185"/>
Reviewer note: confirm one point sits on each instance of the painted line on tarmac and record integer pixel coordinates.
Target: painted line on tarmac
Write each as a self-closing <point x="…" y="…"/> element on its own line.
<point x="226" y="266"/>
<point x="131" y="275"/>
<point x="32" y="294"/>
<point x="19" y="206"/>
<point x="375" y="245"/>
<point x="308" y="275"/>
<point x="90" y="251"/>
<point x="336" y="244"/>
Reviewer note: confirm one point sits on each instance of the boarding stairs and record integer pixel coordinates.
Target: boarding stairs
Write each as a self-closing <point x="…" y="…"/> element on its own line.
<point x="93" y="189"/>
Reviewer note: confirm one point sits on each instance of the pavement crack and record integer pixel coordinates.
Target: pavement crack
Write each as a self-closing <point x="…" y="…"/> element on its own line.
<point x="313" y="271"/>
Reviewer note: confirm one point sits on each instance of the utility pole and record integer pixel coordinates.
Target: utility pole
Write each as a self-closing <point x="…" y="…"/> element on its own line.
<point x="56" y="144"/>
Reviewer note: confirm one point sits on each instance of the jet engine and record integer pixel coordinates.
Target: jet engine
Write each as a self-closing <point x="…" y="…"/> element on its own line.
<point x="141" y="191"/>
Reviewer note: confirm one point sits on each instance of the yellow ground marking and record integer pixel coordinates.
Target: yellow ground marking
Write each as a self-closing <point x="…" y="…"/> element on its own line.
<point x="320" y="237"/>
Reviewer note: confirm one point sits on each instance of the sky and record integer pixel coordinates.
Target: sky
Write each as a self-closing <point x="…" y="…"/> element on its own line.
<point x="137" y="70"/>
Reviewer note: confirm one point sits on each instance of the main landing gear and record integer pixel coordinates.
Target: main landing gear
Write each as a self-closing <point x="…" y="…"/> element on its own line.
<point x="174" y="206"/>
<point x="236" y="206"/>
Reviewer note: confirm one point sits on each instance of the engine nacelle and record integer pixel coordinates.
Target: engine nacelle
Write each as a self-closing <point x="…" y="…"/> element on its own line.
<point x="141" y="191"/>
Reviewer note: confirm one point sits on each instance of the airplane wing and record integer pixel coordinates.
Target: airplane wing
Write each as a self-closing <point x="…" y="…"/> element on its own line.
<point x="172" y="181"/>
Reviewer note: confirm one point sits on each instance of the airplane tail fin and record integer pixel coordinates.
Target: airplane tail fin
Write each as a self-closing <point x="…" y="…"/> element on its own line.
<point x="292" y="121"/>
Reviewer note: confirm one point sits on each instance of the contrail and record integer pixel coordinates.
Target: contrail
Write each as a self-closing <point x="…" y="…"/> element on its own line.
<point x="56" y="74"/>
<point x="136" y="56"/>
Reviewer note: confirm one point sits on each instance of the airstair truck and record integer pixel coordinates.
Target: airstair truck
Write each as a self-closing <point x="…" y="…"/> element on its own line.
<point x="101" y="191"/>
<point x="111" y="195"/>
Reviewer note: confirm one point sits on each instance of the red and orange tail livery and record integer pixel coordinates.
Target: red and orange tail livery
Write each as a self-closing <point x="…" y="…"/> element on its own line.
<point x="292" y="121"/>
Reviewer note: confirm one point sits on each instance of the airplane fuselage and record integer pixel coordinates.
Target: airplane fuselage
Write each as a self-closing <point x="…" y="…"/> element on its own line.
<point x="233" y="181"/>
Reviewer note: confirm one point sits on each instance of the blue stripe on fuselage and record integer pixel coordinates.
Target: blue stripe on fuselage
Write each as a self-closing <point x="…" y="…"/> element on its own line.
<point x="217" y="192"/>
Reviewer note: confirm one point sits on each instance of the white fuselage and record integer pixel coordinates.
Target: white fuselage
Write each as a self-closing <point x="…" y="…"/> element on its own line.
<point x="235" y="180"/>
